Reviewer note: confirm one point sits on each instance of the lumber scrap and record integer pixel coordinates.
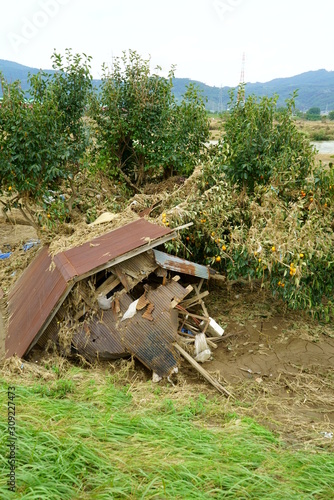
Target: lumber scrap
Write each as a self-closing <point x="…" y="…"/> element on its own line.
<point x="194" y="300"/>
<point x="202" y="371"/>
<point x="108" y="285"/>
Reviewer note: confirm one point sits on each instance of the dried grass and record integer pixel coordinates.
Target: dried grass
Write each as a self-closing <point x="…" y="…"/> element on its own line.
<point x="15" y="368"/>
<point x="296" y="405"/>
<point x="12" y="268"/>
<point x="84" y="232"/>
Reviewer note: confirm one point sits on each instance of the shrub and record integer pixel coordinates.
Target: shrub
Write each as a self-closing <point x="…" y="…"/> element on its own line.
<point x="142" y="132"/>
<point x="43" y="139"/>
<point x="264" y="146"/>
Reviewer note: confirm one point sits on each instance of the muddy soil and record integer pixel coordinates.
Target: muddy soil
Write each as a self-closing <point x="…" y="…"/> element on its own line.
<point x="278" y="364"/>
<point x="13" y="235"/>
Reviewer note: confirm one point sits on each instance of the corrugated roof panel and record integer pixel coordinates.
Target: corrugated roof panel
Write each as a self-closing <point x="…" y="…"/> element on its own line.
<point x="152" y="341"/>
<point x="97" y="252"/>
<point x="179" y="265"/>
<point x="31" y="301"/>
<point x="100" y="337"/>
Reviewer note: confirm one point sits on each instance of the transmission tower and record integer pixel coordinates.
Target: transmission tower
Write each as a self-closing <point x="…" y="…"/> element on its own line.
<point x="220" y="103"/>
<point x="241" y="91"/>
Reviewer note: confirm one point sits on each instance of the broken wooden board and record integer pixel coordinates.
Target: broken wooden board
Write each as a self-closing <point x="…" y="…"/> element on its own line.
<point x="151" y="341"/>
<point x="203" y="372"/>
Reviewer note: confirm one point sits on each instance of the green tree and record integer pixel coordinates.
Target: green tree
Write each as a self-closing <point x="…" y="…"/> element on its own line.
<point x="43" y="138"/>
<point x="142" y="132"/>
<point x="313" y="114"/>
<point x="263" y="145"/>
<point x="331" y="115"/>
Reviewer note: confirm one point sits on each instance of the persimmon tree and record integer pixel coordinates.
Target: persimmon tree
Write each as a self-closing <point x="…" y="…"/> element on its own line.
<point x="263" y="145"/>
<point x="141" y="130"/>
<point x="42" y="134"/>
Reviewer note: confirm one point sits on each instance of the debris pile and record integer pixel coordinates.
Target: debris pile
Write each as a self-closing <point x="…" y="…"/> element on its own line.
<point x="115" y="296"/>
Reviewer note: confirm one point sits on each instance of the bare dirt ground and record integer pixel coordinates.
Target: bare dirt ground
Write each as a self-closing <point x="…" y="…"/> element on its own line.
<point x="278" y="364"/>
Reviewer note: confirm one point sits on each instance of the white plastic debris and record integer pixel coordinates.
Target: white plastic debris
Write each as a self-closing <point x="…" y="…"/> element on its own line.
<point x="203" y="356"/>
<point x="131" y="310"/>
<point x="213" y="329"/>
<point x="156" y="378"/>
<point x="200" y="343"/>
<point x="327" y="435"/>
<point x="202" y="351"/>
<point x="104" y="302"/>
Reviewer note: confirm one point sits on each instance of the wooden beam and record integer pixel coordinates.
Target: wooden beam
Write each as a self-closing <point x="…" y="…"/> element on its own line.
<point x="202" y="371"/>
<point x="176" y="301"/>
<point x="193" y="300"/>
<point x="108" y="285"/>
<point x="203" y="318"/>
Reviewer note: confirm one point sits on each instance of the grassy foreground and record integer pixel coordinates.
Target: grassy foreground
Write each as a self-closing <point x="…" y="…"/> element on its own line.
<point x="81" y="434"/>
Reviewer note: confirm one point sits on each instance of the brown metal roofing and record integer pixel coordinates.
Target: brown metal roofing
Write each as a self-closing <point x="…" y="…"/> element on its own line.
<point x="43" y="286"/>
<point x="33" y="297"/>
<point x="152" y="341"/>
<point x="97" y="252"/>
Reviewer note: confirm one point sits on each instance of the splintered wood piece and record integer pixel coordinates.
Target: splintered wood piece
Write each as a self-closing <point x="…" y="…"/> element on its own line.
<point x="176" y="278"/>
<point x="202" y="371"/>
<point x="194" y="300"/>
<point x="200" y="297"/>
<point x="108" y="285"/>
<point x="177" y="300"/>
<point x="199" y="286"/>
<point x="148" y="313"/>
<point x="121" y="276"/>
<point x="115" y="305"/>
<point x="142" y="302"/>
<point x="211" y="344"/>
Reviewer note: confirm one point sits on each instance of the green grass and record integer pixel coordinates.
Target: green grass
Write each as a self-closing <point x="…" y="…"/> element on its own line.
<point x="84" y="437"/>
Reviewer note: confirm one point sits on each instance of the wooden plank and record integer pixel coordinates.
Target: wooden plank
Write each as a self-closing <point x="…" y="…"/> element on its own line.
<point x="176" y="301"/>
<point x="210" y="343"/>
<point x="122" y="278"/>
<point x="108" y="285"/>
<point x="193" y="300"/>
<point x="197" y="316"/>
<point x="202" y="371"/>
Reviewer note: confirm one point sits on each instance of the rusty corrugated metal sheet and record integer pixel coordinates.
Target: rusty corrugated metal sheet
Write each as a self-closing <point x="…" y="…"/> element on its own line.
<point x="152" y="341"/>
<point x="181" y="265"/>
<point x="3" y="328"/>
<point x="99" y="337"/>
<point x="95" y="253"/>
<point x="31" y="301"/>
<point x="45" y="283"/>
<point x="50" y="335"/>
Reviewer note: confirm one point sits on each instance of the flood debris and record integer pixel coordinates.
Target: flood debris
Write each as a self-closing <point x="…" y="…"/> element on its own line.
<point x="114" y="296"/>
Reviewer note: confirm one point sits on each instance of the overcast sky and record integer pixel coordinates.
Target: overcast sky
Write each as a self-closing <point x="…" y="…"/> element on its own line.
<point x="204" y="38"/>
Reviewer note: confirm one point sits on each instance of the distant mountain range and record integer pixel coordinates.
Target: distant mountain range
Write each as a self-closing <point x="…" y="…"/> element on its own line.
<point x="315" y="88"/>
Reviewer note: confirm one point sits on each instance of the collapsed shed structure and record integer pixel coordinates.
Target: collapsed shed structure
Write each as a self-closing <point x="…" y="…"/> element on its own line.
<point x="113" y="296"/>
